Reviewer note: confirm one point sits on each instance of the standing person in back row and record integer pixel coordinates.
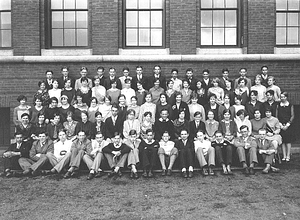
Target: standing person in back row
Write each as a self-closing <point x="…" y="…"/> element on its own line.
<point x="139" y="78"/>
<point x="65" y="76"/>
<point x="111" y="79"/>
<point x="83" y="74"/>
<point x="157" y="76"/>
<point x="189" y="75"/>
<point x="243" y="73"/>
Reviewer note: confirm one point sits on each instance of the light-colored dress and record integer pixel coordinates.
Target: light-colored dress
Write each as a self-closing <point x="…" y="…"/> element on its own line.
<point x="196" y="108"/>
<point x="105" y="111"/>
<point x="147" y="107"/>
<point x="261" y="92"/>
<point x="239" y="123"/>
<point x="273" y="126"/>
<point x="99" y="92"/>
<point x="55" y="93"/>
<point x="131" y="125"/>
<point x="91" y="113"/>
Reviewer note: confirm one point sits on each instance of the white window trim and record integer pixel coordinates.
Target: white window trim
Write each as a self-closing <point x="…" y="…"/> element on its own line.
<point x="66" y="52"/>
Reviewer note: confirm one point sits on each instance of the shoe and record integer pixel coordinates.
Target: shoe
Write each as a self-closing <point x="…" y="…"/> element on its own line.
<point x="265" y="171"/>
<point x="169" y="172"/>
<point x="283" y="159"/>
<point x="287" y="159"/>
<point x="135" y="175"/>
<point x="111" y="174"/>
<point x="225" y="172"/>
<point x="131" y="175"/>
<point x="67" y="175"/>
<point x="163" y="172"/>
<point x="99" y="174"/>
<point x="204" y="172"/>
<point x="8" y="174"/>
<point x="74" y="174"/>
<point x="91" y="176"/>
<point x="251" y="171"/>
<point x="275" y="170"/>
<point x="46" y="172"/>
<point x="150" y="174"/>
<point x="35" y="173"/>
<point x="211" y="172"/>
<point x="53" y="171"/>
<point x="184" y="174"/>
<point x="27" y="172"/>
<point x="119" y="173"/>
<point x="145" y="174"/>
<point x="229" y="170"/>
<point x="246" y="171"/>
<point x="191" y="174"/>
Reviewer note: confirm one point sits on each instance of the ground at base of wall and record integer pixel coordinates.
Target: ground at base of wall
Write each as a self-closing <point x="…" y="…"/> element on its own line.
<point x="271" y="196"/>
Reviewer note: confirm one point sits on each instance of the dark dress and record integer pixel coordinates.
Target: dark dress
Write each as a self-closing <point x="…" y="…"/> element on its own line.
<point x="284" y="115"/>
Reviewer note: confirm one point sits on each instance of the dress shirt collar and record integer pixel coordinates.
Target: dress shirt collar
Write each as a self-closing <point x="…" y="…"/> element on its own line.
<point x="284" y="104"/>
<point x="160" y="119"/>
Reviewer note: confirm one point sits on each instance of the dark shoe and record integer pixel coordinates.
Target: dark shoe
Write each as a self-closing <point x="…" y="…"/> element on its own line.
<point x="111" y="174"/>
<point x="164" y="172"/>
<point x="67" y="175"/>
<point x="74" y="174"/>
<point x="135" y="175"/>
<point x="169" y="172"/>
<point x="184" y="174"/>
<point x="246" y="171"/>
<point x="274" y="169"/>
<point x="150" y="174"/>
<point x="211" y="172"/>
<point x="205" y="172"/>
<point x="145" y="174"/>
<point x="120" y="173"/>
<point x="191" y="174"/>
<point x="251" y="171"/>
<point x="91" y="176"/>
<point x="46" y="172"/>
<point x="99" y="174"/>
<point x="27" y="172"/>
<point x="8" y="174"/>
<point x="131" y="175"/>
<point x="36" y="173"/>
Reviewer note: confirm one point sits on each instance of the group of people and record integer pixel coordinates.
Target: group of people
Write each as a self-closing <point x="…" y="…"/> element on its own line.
<point x="148" y="121"/>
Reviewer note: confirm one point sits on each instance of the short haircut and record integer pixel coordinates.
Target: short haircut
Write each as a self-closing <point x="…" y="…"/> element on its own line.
<point x="226" y="111"/>
<point x="53" y="99"/>
<point x="225" y="70"/>
<point x="174" y="70"/>
<point x="197" y="113"/>
<point x="264" y="67"/>
<point x="127" y="81"/>
<point x="64" y="67"/>
<point x="21" y="97"/>
<point x="243" y="68"/>
<point x="18" y="133"/>
<point x="41" y="82"/>
<point x="157" y="66"/>
<point x="241" y="111"/>
<point x="189" y="70"/>
<point x="285" y="94"/>
<point x="147" y="113"/>
<point x="253" y="92"/>
<point x="149" y="130"/>
<point x="98" y="113"/>
<point x="242" y="79"/>
<point x="125" y="68"/>
<point x="271" y="92"/>
<point x="83" y="68"/>
<point x="139" y="66"/>
<point x="243" y="127"/>
<point x="25" y="114"/>
<point x="84" y="79"/>
<point x="129" y="111"/>
<point x="205" y="70"/>
<point x="94" y="98"/>
<point x="49" y="71"/>
<point x="100" y="68"/>
<point x="132" y="132"/>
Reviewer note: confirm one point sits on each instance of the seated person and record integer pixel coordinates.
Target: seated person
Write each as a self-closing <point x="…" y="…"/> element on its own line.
<point x="246" y="148"/>
<point x="78" y="149"/>
<point x="185" y="148"/>
<point x="131" y="124"/>
<point x="180" y="123"/>
<point x="133" y="157"/>
<point x="61" y="156"/>
<point x="26" y="128"/>
<point x="266" y="150"/>
<point x="13" y="153"/>
<point x="148" y="153"/>
<point x="94" y="156"/>
<point x="164" y="124"/>
<point x="37" y="155"/>
<point x="227" y="126"/>
<point x="53" y="128"/>
<point x="85" y="125"/>
<point x="205" y="154"/>
<point x="223" y="150"/>
<point x="167" y="149"/>
<point x="196" y="125"/>
<point x="116" y="154"/>
<point x="211" y="126"/>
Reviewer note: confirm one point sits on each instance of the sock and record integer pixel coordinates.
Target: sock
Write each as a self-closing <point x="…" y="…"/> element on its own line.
<point x="191" y="169"/>
<point x="183" y="170"/>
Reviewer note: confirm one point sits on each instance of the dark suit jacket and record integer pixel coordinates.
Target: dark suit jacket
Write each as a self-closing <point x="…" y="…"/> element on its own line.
<point x="193" y="83"/>
<point x="180" y="146"/>
<point x="61" y="82"/>
<point x="194" y="129"/>
<point x="24" y="149"/>
<point x="143" y="81"/>
<point x="110" y="128"/>
<point x="161" y="126"/>
<point x="162" y="80"/>
<point x="232" y="127"/>
<point x="50" y="130"/>
<point x="47" y="84"/>
<point x="38" y="149"/>
<point x="222" y="83"/>
<point x="175" y="111"/>
<point x="108" y="82"/>
<point x="267" y="145"/>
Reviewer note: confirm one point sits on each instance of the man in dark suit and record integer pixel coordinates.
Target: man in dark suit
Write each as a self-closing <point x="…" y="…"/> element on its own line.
<point x="100" y="74"/>
<point x="224" y="78"/>
<point x="157" y="75"/>
<point x="139" y="78"/>
<point x="112" y="77"/>
<point x="13" y="153"/>
<point x="189" y="75"/>
<point x="196" y="125"/>
<point x="49" y="79"/>
<point x="186" y="154"/>
<point x="164" y="124"/>
<point x="264" y="76"/>
<point x="243" y="73"/>
<point x="114" y="123"/>
<point x="65" y="76"/>
<point x="206" y="81"/>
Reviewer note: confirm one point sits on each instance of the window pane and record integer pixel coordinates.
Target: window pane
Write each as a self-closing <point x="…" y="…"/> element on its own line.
<point x="206" y="18"/>
<point x="82" y="37"/>
<point x="57" y="37"/>
<point x="218" y="18"/>
<point x="206" y="3"/>
<point x="292" y="19"/>
<point x="57" y="19"/>
<point x="131" y="4"/>
<point x="281" y="4"/>
<point x="231" y="3"/>
<point x="156" y="4"/>
<point x="293" y="5"/>
<point x="144" y="19"/>
<point x="230" y="19"/>
<point x="69" y="37"/>
<point x="218" y="36"/>
<point x="156" y="19"/>
<point x="81" y="4"/>
<point x="218" y="3"/>
<point x="156" y="37"/>
<point x="144" y="4"/>
<point x="5" y="20"/>
<point x="230" y="36"/>
<point x="82" y="19"/>
<point x="6" y="38"/>
<point x="131" y="37"/>
<point x="206" y="36"/>
<point x="144" y="37"/>
<point x="69" y="4"/>
<point x="69" y="19"/>
<point x="5" y="5"/>
<point x="292" y="36"/>
<point x="131" y="19"/>
<point x="280" y="36"/>
<point x="56" y="4"/>
<point x="280" y="19"/>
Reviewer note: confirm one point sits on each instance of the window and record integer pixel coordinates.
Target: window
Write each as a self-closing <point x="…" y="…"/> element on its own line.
<point x="5" y="23"/>
<point x="144" y="23"/>
<point x="219" y="22"/>
<point x="69" y="23"/>
<point x="287" y="22"/>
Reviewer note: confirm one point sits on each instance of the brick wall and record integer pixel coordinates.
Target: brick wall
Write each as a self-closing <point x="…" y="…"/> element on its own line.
<point x="183" y="26"/>
<point x="105" y="27"/>
<point x="26" y="41"/>
<point x="261" y="26"/>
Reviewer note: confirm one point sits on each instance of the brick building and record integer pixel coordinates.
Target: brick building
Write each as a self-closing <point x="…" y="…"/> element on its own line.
<point x="36" y="35"/>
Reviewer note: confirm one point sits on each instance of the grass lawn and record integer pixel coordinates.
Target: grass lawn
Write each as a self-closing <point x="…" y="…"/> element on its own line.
<point x="272" y="196"/>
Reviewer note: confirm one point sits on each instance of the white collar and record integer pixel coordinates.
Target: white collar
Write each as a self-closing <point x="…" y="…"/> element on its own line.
<point x="160" y="119"/>
<point x="284" y="104"/>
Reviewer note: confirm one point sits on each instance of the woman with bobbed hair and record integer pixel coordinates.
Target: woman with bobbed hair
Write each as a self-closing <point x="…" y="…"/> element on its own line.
<point x="94" y="107"/>
<point x="146" y="124"/>
<point x="242" y="90"/>
<point x="241" y="119"/>
<point x="85" y="125"/>
<point x="25" y="128"/>
<point x="55" y="91"/>
<point x="162" y="104"/>
<point x="21" y="109"/>
<point x="131" y="123"/>
<point x="70" y="126"/>
<point x="217" y="90"/>
<point x="42" y="93"/>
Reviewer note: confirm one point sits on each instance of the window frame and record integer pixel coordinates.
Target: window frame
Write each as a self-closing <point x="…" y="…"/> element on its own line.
<point x="286" y="12"/>
<point x="11" y="31"/>
<point x="239" y="33"/>
<point x="124" y="10"/>
<point x="48" y="26"/>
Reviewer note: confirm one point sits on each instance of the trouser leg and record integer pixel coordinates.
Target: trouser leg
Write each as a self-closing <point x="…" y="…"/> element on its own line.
<point x="122" y="160"/>
<point x="25" y="163"/>
<point x="242" y="154"/>
<point x="76" y="161"/>
<point x="228" y="151"/>
<point x="161" y="156"/>
<point x="268" y="159"/>
<point x="219" y="154"/>
<point x="52" y="159"/>
<point x="63" y="162"/>
<point x="252" y="155"/>
<point x="200" y="157"/>
<point x="97" y="161"/>
<point x="211" y="156"/>
<point x="88" y="160"/>
<point x="43" y="159"/>
<point x="110" y="160"/>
